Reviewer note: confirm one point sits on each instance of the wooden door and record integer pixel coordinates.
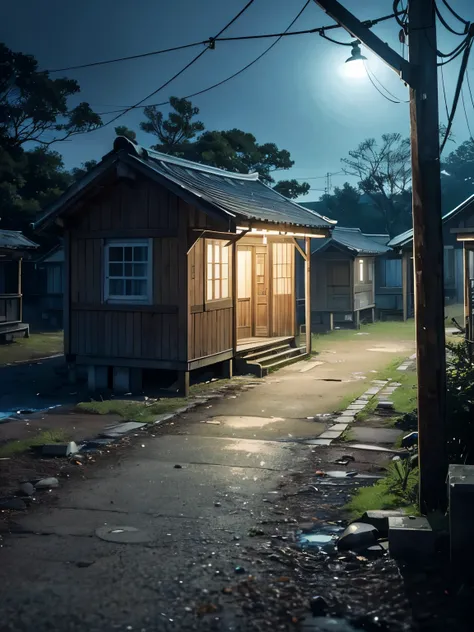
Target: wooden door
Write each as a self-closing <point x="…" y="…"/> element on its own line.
<point x="261" y="291"/>
<point x="244" y="292"/>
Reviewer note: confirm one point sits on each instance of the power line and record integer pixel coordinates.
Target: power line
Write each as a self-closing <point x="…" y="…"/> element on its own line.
<point x="460" y="80"/>
<point x="180" y="72"/>
<point x="374" y="76"/>
<point x="453" y="12"/>
<point x="210" y="43"/>
<point x="445" y="23"/>
<point x="465" y="114"/>
<point x="336" y="173"/>
<point x="443" y="85"/>
<point x="235" y="74"/>
<point x="376" y="87"/>
<point x="469" y="88"/>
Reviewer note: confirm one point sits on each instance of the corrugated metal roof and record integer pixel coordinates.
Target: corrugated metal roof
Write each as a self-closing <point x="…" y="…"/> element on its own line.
<point x="15" y="240"/>
<point x="404" y="238"/>
<point x="237" y="196"/>
<point x="353" y="239"/>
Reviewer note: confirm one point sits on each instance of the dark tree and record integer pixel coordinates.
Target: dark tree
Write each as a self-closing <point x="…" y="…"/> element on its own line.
<point x="179" y="128"/>
<point x="123" y="130"/>
<point x="78" y="172"/>
<point x="292" y="188"/>
<point x="34" y="107"/>
<point x="384" y="174"/>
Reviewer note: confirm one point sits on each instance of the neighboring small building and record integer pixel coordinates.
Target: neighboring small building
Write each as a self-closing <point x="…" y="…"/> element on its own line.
<point x="14" y="247"/>
<point x="460" y="217"/>
<point x="50" y="287"/>
<point x="169" y="264"/>
<point x="342" y="278"/>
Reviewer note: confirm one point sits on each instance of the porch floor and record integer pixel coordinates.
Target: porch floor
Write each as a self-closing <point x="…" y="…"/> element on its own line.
<point x="249" y="344"/>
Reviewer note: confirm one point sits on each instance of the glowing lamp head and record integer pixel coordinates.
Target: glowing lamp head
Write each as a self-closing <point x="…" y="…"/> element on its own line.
<point x="355" y="67"/>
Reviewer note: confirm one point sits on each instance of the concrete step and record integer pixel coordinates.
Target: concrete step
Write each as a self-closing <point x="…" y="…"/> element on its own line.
<point x="279" y="355"/>
<point x="301" y="355"/>
<point x="255" y="356"/>
<point x="12" y="329"/>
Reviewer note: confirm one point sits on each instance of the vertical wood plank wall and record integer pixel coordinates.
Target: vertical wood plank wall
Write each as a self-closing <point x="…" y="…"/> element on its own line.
<point x="148" y="332"/>
<point x="210" y="331"/>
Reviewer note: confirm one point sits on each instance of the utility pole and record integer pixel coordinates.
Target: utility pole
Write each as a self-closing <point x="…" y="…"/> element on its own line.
<point x="420" y="73"/>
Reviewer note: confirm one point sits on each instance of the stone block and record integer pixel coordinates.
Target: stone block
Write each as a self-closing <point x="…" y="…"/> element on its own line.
<point x="339" y="427"/>
<point x="461" y="517"/>
<point x="59" y="449"/>
<point x="357" y="536"/>
<point x="410" y="537"/>
<point x="97" y="378"/>
<point x="379" y="519"/>
<point x="330" y="434"/>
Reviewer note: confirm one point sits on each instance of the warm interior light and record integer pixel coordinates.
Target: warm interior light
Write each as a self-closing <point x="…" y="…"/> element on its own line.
<point x="354" y="66"/>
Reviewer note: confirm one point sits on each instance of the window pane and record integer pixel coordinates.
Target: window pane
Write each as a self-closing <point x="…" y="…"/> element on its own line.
<point x="139" y="288"/>
<point x="225" y="254"/>
<point x="128" y="287"/>
<point x="115" y="253"/>
<point x="128" y="269"/>
<point x="116" y="287"/>
<point x="225" y="271"/>
<point x="209" y="291"/>
<point x="225" y="288"/>
<point x="140" y="253"/>
<point x="217" y="271"/>
<point x="209" y="252"/>
<point x="217" y="289"/>
<point x="209" y="272"/>
<point x="128" y="253"/>
<point x="217" y="253"/>
<point x="139" y="270"/>
<point x="116" y="269"/>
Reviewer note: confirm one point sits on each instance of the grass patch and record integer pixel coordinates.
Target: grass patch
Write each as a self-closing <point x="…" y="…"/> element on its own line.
<point x="38" y="345"/>
<point x="368" y="410"/>
<point x="387" y="330"/>
<point x="405" y="397"/>
<point x="133" y="411"/>
<point x="454" y="311"/>
<point x="399" y="489"/>
<point x="23" y="445"/>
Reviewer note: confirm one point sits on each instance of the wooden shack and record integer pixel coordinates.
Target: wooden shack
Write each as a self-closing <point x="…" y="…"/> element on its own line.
<point x="342" y="278"/>
<point x="402" y="246"/>
<point x="173" y="265"/>
<point x="14" y="246"/>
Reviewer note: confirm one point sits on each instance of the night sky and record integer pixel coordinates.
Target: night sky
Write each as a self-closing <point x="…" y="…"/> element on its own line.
<point x="297" y="96"/>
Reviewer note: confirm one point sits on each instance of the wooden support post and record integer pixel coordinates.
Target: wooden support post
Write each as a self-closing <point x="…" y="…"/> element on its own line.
<point x="356" y="319"/>
<point x="428" y="255"/>
<point x="227" y="369"/>
<point x="234" y="271"/>
<point x="331" y="321"/>
<point x="67" y="293"/>
<point x="405" y="288"/>
<point x="183" y="383"/>
<point x="373" y="315"/>
<point x="307" y="292"/>
<point x="465" y="258"/>
<point x="20" y="290"/>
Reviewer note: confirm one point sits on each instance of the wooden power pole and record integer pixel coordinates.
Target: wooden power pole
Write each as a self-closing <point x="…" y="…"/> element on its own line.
<point x="420" y="73"/>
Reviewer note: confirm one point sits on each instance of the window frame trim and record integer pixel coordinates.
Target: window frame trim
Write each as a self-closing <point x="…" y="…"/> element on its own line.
<point x="132" y="300"/>
<point x="211" y="304"/>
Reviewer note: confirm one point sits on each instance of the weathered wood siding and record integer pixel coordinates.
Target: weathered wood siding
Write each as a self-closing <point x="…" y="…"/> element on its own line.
<point x="331" y="283"/>
<point x="139" y="209"/>
<point x="210" y="327"/>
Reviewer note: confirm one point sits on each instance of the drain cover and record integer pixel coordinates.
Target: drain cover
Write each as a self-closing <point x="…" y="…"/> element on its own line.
<point x="123" y="535"/>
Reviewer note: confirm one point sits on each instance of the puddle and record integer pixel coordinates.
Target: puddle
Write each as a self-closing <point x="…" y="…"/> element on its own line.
<point x="19" y="413"/>
<point x="243" y="423"/>
<point x="323" y="538"/>
<point x="387" y="349"/>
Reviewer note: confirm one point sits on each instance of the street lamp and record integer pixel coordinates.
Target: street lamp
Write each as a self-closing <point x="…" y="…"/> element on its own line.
<point x="355" y="63"/>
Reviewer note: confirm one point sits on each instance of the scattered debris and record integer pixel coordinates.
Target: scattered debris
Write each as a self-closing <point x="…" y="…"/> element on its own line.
<point x="240" y="570"/>
<point x="83" y="564"/>
<point x="47" y="483"/>
<point x="410" y="440"/>
<point x="178" y="466"/>
<point x="254" y="531"/>
<point x="59" y="449"/>
<point x="358" y="535"/>
<point x="217" y="504"/>
<point x="212" y="422"/>
<point x="16" y="504"/>
<point x="379" y="519"/>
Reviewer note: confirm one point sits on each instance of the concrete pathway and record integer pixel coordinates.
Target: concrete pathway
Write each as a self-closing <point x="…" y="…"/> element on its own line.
<point x="151" y="539"/>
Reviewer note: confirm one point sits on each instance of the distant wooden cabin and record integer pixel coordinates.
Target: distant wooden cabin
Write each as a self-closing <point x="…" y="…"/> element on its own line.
<point x="14" y="247"/>
<point x="342" y="278"/>
<point x="458" y="218"/>
<point x="173" y="265"/>
<point x="50" y="288"/>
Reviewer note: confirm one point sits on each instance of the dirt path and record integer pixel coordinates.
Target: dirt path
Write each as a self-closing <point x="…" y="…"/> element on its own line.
<point x="195" y="495"/>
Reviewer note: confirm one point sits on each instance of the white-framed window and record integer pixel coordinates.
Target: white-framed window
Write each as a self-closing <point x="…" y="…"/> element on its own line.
<point x="217" y="270"/>
<point x="128" y="269"/>
<point x="370" y="270"/>
<point x="361" y="270"/>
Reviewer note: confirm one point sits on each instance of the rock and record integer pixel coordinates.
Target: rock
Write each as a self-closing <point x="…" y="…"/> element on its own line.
<point x="379" y="519"/>
<point x="410" y="440"/>
<point x="254" y="531"/>
<point x="318" y="606"/>
<point x="59" y="449"/>
<point x="240" y="570"/>
<point x="26" y="489"/>
<point x="83" y="564"/>
<point x="358" y="535"/>
<point x="47" y="483"/>
<point x="217" y="504"/>
<point x="12" y="503"/>
<point x="178" y="466"/>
